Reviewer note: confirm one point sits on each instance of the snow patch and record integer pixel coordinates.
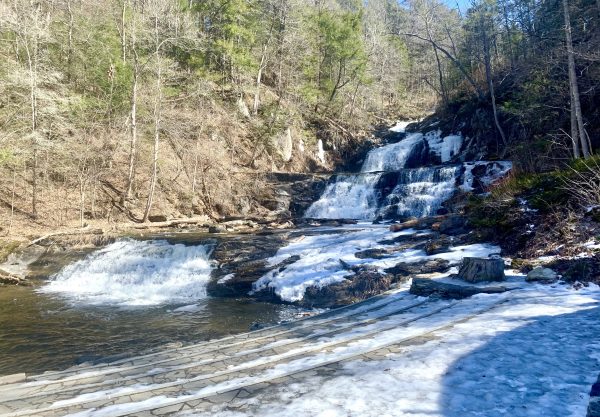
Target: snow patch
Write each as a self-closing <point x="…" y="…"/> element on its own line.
<point x="400" y="126"/>
<point x="445" y="147"/>
<point x="321" y="257"/>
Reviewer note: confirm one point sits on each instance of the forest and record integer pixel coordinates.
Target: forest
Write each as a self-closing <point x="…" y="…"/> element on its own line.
<point x="120" y="109"/>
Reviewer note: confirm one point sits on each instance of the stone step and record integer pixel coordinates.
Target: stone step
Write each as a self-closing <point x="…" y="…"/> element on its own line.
<point x="191" y="364"/>
<point x="189" y="394"/>
<point x="62" y="389"/>
<point x="242" y="339"/>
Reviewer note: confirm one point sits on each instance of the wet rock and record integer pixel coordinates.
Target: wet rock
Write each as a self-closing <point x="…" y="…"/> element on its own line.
<point x="422" y="223"/>
<point x="257" y="326"/>
<point x="362" y="285"/>
<point x="419" y="155"/>
<point x="216" y="229"/>
<point x="243" y="257"/>
<point x="404" y="269"/>
<point x="373" y="253"/>
<point x="427" y="287"/>
<point x="540" y="274"/>
<point x="8" y="279"/>
<point x="453" y="225"/>
<point x="158" y="218"/>
<point x="437" y="246"/>
<point x="482" y="269"/>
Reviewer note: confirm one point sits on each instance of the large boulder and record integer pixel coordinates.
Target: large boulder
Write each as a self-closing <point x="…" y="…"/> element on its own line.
<point x="406" y="269"/>
<point x="453" y="225"/>
<point x="539" y="274"/>
<point x="366" y="282"/>
<point x="482" y="269"/>
<point x="424" y="287"/>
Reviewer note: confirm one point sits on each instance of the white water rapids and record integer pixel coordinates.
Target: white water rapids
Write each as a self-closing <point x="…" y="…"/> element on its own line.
<point x="136" y="273"/>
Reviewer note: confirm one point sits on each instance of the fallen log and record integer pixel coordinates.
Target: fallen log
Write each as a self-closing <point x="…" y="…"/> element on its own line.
<point x="84" y="231"/>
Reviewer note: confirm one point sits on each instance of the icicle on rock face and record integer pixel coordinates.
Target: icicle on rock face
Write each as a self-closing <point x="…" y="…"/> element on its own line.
<point x="134" y="273"/>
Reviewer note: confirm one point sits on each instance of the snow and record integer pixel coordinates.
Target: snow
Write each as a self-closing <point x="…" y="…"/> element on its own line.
<point x="533" y="352"/>
<point x="591" y="244"/>
<point x="320" y="255"/>
<point x="494" y="171"/>
<point x="529" y="352"/>
<point x="446" y="147"/>
<point x="135" y="273"/>
<point x="400" y="126"/>
<point x="226" y="278"/>
<point x="320" y="151"/>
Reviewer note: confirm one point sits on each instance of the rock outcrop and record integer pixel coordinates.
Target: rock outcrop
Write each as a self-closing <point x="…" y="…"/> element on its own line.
<point x="427" y="287"/>
<point x="365" y="283"/>
<point x="540" y="274"/>
<point x="482" y="269"/>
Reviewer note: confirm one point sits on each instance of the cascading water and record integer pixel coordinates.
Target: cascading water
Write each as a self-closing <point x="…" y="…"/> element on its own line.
<point x="421" y="192"/>
<point x="386" y="187"/>
<point x="134" y="273"/>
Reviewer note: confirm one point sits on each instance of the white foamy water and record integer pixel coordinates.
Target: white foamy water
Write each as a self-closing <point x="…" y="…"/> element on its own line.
<point x="421" y="192"/>
<point x="136" y="273"/>
<point x="415" y="192"/>
<point x="351" y="196"/>
<point x="391" y="157"/>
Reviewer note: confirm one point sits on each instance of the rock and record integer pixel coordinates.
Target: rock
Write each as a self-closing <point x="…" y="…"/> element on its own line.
<point x="8" y="279"/>
<point x="257" y="326"/>
<point x="481" y="269"/>
<point x="362" y="285"/>
<point x="158" y="218"/>
<point x="436" y="246"/>
<point x="422" y="223"/>
<point x="242" y="108"/>
<point x="404" y="269"/>
<point x="284" y="145"/>
<point x="216" y="229"/>
<point x="453" y="225"/>
<point x="424" y="287"/>
<point x="594" y="404"/>
<point x="373" y="254"/>
<point x="540" y="274"/>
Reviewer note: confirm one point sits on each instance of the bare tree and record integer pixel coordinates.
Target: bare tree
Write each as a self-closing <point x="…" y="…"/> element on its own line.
<point x="574" y="87"/>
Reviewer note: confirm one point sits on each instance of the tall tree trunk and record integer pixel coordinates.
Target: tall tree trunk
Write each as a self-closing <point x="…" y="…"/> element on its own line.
<point x="157" y="116"/>
<point x="439" y="66"/>
<point x="573" y="87"/>
<point x="70" y="42"/>
<point x="261" y="66"/>
<point x="122" y="31"/>
<point x="12" y="201"/>
<point x="490" y="82"/>
<point x="32" y="60"/>
<point x="133" y="137"/>
<point x="574" y="131"/>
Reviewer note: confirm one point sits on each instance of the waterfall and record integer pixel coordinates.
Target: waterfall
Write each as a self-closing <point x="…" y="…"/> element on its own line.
<point x="386" y="187"/>
<point x="352" y="196"/>
<point x="133" y="273"/>
<point x="421" y="192"/>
